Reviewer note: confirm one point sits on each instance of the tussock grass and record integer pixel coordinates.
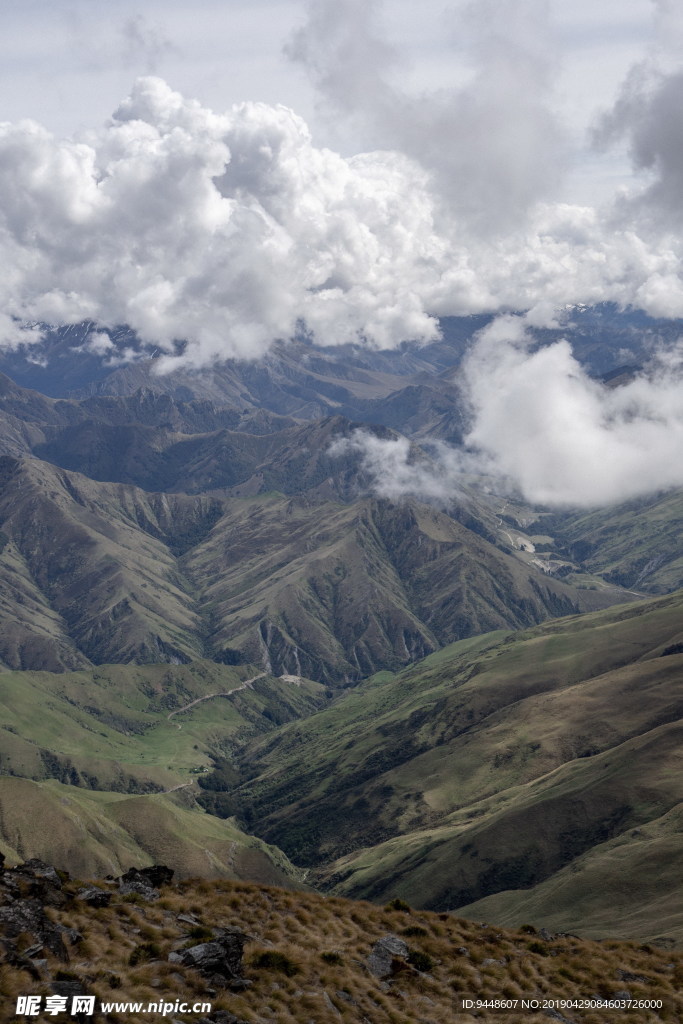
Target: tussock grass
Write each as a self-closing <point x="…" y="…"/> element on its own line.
<point x="306" y="959"/>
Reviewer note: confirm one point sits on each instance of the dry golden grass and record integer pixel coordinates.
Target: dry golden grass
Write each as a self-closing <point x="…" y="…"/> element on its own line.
<point x="306" y="960"/>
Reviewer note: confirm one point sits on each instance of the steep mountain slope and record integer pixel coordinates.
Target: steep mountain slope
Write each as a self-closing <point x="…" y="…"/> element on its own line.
<point x="90" y="559"/>
<point x="339" y="591"/>
<point x="529" y="762"/>
<point x="158" y="444"/>
<point x="94" y="572"/>
<point x="29" y="419"/>
<point x="429" y="408"/>
<point x="637" y="545"/>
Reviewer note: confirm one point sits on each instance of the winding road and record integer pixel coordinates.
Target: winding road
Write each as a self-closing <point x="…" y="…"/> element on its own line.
<point x="209" y="696"/>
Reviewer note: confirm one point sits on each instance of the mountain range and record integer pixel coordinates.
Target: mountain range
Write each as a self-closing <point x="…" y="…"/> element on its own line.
<point x="249" y="663"/>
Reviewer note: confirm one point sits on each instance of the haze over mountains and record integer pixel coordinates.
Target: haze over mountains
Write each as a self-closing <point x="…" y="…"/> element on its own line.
<point x="225" y="621"/>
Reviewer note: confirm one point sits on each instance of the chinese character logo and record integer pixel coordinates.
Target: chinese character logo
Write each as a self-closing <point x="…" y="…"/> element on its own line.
<point x="83" y="1004"/>
<point x="28" y="1006"/>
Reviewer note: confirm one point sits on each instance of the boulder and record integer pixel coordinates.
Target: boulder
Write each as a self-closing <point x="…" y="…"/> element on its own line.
<point x="39" y="869"/>
<point x="386" y="956"/>
<point x="220" y="961"/>
<point x="145" y="881"/>
<point x="19" y="915"/>
<point x="34" y="880"/>
<point x="95" y="897"/>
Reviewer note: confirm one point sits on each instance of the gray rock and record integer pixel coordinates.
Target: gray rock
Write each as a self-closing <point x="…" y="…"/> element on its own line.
<point x="95" y="897"/>
<point x="346" y="996"/>
<point x="71" y="987"/>
<point x="27" y="915"/>
<point x="156" y="875"/>
<point x="386" y="950"/>
<point x="40" y="869"/>
<point x="329" y="1004"/>
<point x="623" y="975"/>
<point x="34" y="880"/>
<point x="205" y="956"/>
<point x="144" y="891"/>
<point x="145" y="881"/>
<point x="220" y="961"/>
<point x="554" y="1015"/>
<point x="33" y="951"/>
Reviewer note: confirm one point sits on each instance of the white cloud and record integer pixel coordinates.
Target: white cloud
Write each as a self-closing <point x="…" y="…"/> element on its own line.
<point x="219" y="230"/>
<point x="212" y="234"/>
<point x="398" y="468"/>
<point x="492" y="145"/>
<point x="226" y="230"/>
<point x="545" y="430"/>
<point x="565" y="439"/>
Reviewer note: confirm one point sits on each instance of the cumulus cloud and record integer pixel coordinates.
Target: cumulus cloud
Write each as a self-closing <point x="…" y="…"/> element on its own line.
<point x="649" y="116"/>
<point x="563" y="438"/>
<point x="542" y="429"/>
<point x="493" y="146"/>
<point x="218" y="231"/>
<point x="211" y="234"/>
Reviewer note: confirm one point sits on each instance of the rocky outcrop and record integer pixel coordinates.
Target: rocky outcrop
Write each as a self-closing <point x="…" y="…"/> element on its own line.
<point x="388" y="955"/>
<point x="145" y="881"/>
<point x="25" y="891"/>
<point x="28" y="935"/>
<point x="219" y="961"/>
<point x="94" y="896"/>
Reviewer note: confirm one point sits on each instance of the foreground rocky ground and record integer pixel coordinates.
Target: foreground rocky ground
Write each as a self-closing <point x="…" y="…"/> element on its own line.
<point x="233" y="953"/>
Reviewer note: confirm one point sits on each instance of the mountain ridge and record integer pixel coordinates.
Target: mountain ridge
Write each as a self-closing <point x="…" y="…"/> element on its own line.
<point x="311" y="586"/>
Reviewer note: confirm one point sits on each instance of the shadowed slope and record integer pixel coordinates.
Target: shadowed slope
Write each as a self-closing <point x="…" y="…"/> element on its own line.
<point x="94" y="572"/>
<point x="495" y="765"/>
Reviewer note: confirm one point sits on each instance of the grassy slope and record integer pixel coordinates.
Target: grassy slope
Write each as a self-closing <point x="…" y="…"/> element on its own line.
<point x="317" y="949"/>
<point x="87" y="775"/>
<point x="97" y="833"/>
<point x="501" y="763"/>
<point x="638" y="545"/>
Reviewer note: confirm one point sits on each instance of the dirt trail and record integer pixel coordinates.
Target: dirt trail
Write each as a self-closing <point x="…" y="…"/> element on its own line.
<point x="209" y="696"/>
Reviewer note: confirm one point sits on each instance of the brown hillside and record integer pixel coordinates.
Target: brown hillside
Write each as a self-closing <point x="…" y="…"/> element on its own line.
<point x="308" y="960"/>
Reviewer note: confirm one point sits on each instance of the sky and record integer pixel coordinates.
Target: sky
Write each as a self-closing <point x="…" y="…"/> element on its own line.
<point x="225" y="175"/>
<point x="68" y="65"/>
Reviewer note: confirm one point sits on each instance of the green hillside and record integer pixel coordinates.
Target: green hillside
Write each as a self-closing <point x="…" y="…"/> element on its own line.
<point x="101" y="769"/>
<point x="520" y="764"/>
<point x="637" y="545"/>
<point x="102" y="833"/>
